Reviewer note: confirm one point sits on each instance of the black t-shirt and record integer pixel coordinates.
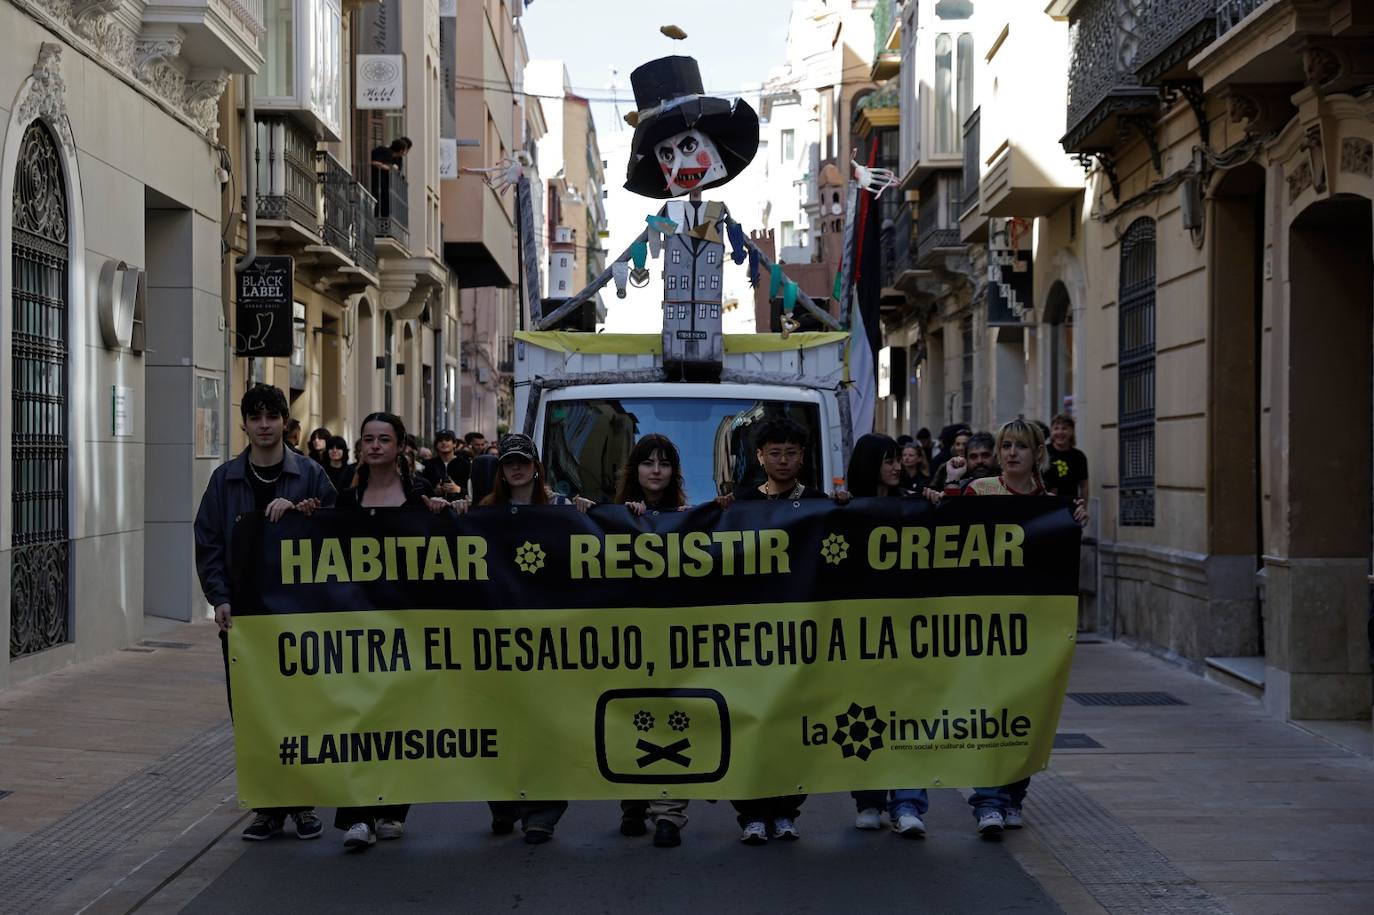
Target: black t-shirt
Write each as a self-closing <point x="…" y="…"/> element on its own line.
<point x="799" y="491"/>
<point x="384" y="155"/>
<point x="1066" y="470"/>
<point x="415" y="495"/>
<point x="264" y="482"/>
<point x="457" y="470"/>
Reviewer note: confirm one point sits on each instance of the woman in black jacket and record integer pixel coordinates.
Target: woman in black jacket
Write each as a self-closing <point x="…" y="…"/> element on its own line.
<point x="385" y="479"/>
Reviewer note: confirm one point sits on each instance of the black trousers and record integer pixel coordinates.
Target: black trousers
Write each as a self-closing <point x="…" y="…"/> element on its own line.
<point x="281" y="812"/>
<point x="764" y="809"/>
<point x="536" y="814"/>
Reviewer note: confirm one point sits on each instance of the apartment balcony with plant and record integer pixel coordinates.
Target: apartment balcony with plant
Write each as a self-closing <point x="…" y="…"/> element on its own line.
<point x="887" y="33"/>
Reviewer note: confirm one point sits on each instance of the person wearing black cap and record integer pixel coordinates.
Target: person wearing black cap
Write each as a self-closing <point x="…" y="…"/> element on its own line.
<point x="447" y="472"/>
<point x="520" y="481"/>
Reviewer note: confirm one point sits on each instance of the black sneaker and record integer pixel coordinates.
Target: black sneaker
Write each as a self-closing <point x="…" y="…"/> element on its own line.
<point x="502" y="826"/>
<point x="264" y="826"/>
<point x="308" y="825"/>
<point x="537" y="836"/>
<point x="632" y="824"/>
<point x="667" y="835"/>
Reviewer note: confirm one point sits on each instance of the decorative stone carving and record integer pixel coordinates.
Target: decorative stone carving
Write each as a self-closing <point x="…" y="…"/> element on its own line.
<point x="154" y="51"/>
<point x="1299" y="180"/>
<point x="47" y="95"/>
<point x="149" y="58"/>
<point x="1320" y="66"/>
<point x="1316" y="156"/>
<point x="1263" y="109"/>
<point x="1357" y="156"/>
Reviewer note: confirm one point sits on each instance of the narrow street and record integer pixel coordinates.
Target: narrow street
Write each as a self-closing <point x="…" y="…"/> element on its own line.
<point x="1207" y="806"/>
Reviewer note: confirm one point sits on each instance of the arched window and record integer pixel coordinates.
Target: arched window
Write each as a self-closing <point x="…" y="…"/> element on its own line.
<point x="39" y="589"/>
<point x="1136" y="374"/>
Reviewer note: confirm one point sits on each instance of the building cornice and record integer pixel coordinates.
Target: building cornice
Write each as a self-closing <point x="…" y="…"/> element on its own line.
<point x="99" y="30"/>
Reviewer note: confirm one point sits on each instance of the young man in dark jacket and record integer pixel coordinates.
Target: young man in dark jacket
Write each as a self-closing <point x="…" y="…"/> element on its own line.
<point x="271" y="478"/>
<point x="447" y="472"/>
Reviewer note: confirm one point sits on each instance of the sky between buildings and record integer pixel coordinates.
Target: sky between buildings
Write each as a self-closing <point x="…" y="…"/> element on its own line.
<point x="734" y="41"/>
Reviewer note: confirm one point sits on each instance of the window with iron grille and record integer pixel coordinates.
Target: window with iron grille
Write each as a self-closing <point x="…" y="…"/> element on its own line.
<point x="39" y="570"/>
<point x="1136" y="374"/>
<point x="966" y="332"/>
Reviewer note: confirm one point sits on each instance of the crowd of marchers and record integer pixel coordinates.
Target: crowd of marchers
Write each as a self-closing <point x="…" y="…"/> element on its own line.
<point x="272" y="477"/>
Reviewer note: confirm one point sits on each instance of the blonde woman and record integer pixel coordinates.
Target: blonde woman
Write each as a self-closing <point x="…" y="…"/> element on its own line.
<point x="1021" y="456"/>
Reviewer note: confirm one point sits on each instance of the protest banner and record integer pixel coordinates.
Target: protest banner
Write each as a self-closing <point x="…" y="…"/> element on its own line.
<point x="393" y="656"/>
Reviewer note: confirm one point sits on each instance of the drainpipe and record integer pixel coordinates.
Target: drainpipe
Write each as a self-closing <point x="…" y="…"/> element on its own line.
<point x="250" y="196"/>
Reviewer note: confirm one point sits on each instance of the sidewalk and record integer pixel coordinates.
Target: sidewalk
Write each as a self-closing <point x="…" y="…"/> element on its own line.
<point x="122" y="794"/>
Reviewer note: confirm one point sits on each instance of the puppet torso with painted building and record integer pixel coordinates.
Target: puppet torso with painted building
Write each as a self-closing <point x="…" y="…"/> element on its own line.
<point x="685" y="142"/>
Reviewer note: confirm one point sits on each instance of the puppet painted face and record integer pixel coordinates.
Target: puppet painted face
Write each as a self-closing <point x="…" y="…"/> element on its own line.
<point x="689" y="161"/>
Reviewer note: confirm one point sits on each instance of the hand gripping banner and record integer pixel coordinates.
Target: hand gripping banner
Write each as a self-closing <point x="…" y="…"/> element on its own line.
<point x="393" y="656"/>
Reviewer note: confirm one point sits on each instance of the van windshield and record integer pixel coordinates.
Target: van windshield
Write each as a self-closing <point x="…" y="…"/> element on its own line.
<point x="587" y="442"/>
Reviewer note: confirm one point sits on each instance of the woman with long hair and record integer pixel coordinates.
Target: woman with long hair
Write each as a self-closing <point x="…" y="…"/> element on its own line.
<point x="520" y="480"/>
<point x="336" y="463"/>
<point x="875" y="471"/>
<point x="1020" y="450"/>
<point x="317" y="444"/>
<point x="651" y="480"/>
<point x="385" y="479"/>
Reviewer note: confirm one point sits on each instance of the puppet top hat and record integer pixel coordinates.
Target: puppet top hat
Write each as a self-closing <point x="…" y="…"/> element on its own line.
<point x="671" y="100"/>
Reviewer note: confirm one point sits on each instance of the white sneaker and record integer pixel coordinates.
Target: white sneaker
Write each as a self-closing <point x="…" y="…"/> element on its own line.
<point x="1012" y="818"/>
<point x="990" y="823"/>
<point x="869" y="818"/>
<point x="359" y="835"/>
<point x="755" y="833"/>
<point x="910" y="826"/>
<point x="784" y="828"/>
<point x="390" y="829"/>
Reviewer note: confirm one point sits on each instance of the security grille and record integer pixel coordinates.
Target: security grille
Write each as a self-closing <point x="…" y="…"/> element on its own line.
<point x="1125" y="699"/>
<point x="39" y="564"/>
<point x="1136" y="374"/>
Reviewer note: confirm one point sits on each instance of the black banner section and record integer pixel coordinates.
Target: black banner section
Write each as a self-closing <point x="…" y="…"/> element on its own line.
<point x="552" y="557"/>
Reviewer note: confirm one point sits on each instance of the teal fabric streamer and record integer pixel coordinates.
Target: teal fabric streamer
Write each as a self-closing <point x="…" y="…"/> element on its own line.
<point x="789" y="296"/>
<point x="775" y="283"/>
<point x="639" y="253"/>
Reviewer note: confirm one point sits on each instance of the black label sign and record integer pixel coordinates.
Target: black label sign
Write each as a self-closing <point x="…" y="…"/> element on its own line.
<point x="262" y="316"/>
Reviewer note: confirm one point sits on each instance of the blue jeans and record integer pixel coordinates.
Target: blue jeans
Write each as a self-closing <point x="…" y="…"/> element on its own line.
<point x="897" y="801"/>
<point x="998" y="799"/>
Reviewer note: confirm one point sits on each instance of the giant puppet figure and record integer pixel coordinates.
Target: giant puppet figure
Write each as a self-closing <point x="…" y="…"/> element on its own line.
<point x="684" y="142"/>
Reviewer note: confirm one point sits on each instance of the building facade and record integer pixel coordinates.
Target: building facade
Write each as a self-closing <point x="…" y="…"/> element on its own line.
<point x="1157" y="219"/>
<point x="112" y="340"/>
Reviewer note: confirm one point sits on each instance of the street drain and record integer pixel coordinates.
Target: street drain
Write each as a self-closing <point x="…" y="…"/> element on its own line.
<point x="1125" y="699"/>
<point x="138" y="650"/>
<point x="154" y="643"/>
<point x="1075" y="742"/>
<point x="5" y="794"/>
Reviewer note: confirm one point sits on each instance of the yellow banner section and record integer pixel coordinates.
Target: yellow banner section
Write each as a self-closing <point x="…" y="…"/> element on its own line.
<point x="395" y="706"/>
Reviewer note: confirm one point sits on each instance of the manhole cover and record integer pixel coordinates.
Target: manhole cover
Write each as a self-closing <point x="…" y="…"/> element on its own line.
<point x="1075" y="742"/>
<point x="1120" y="699"/>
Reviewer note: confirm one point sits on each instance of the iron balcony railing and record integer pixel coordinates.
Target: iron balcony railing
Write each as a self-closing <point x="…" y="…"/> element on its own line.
<point x="937" y="222"/>
<point x="287" y="186"/>
<point x="505" y="354"/>
<point x="1104" y="51"/>
<point x="972" y="129"/>
<point x="392" y="192"/>
<point x="1171" y="31"/>
<point x="1231" y="12"/>
<point x="350" y="214"/>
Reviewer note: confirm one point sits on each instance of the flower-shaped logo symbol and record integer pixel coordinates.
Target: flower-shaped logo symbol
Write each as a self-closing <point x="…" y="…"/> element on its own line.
<point x="678" y="721"/>
<point x="530" y="557"/>
<point x="835" y="549"/>
<point x="859" y="731"/>
<point x="644" y="721"/>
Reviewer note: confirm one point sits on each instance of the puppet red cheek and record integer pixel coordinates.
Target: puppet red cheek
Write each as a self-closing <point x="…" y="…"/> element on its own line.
<point x="704" y="159"/>
<point x="667" y="169"/>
